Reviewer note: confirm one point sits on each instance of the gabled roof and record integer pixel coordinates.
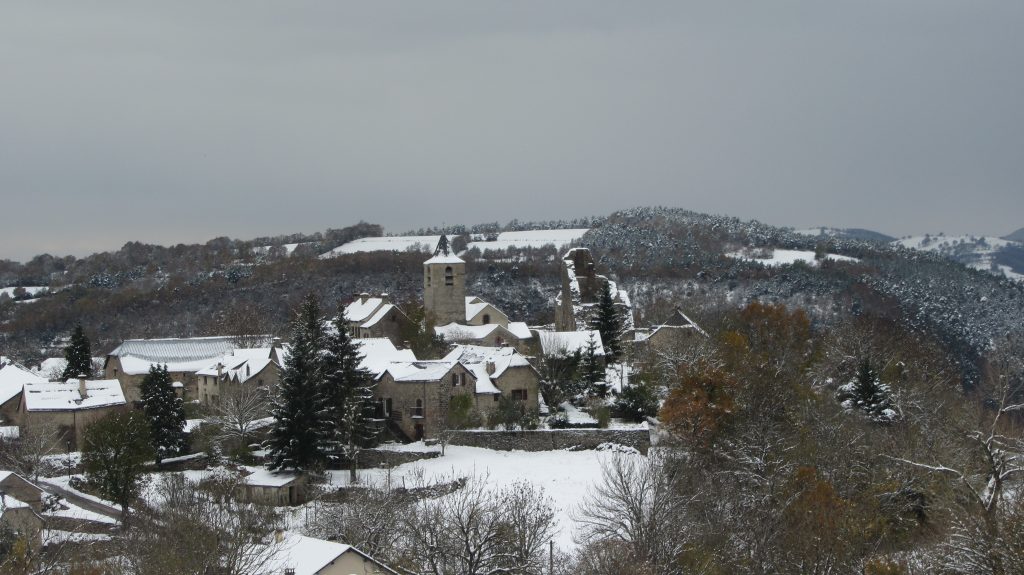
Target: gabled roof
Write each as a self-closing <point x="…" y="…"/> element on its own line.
<point x="419" y="371"/>
<point x="461" y="332"/>
<point x="678" y="320"/>
<point x="559" y="343"/>
<point x="381" y="313"/>
<point x="309" y="556"/>
<point x="13" y="378"/>
<point x="379" y="352"/>
<point x="501" y="357"/>
<point x="179" y="354"/>
<point x="240" y="365"/>
<point x="68" y="397"/>
<point x="362" y="308"/>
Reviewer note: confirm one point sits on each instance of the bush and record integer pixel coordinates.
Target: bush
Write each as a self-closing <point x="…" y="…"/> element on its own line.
<point x="559" y="421"/>
<point x="637" y="402"/>
<point x="511" y="414"/>
<point x="603" y="415"/>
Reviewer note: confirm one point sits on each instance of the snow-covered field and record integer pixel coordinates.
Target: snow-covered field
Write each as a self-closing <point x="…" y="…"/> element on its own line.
<point x="31" y="290"/>
<point x="385" y="244"/>
<point x="977" y="252"/>
<point x="566" y="476"/>
<point x="787" y="257"/>
<point x="530" y="239"/>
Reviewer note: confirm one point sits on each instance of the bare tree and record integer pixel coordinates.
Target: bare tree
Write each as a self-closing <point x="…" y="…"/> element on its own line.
<point x="474" y="531"/>
<point x="26" y="453"/>
<point x="368" y="518"/>
<point x="239" y="409"/>
<point x="201" y="528"/>
<point x="635" y="505"/>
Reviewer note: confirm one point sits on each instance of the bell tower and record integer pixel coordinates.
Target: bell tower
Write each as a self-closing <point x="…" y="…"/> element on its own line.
<point x="444" y="285"/>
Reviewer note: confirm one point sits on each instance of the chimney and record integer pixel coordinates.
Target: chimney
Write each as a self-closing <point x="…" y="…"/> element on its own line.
<point x="275" y="343"/>
<point x="82" y="391"/>
<point x="279" y="535"/>
<point x="363" y="297"/>
<point x="384" y="297"/>
<point x="490" y="368"/>
<point x="220" y="370"/>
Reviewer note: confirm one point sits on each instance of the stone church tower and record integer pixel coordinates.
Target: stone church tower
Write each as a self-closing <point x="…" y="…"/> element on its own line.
<point x="444" y="285"/>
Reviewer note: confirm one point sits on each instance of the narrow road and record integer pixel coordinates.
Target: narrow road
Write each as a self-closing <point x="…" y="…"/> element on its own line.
<point x="80" y="501"/>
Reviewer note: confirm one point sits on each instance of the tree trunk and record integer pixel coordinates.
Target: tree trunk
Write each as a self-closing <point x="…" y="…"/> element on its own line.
<point x="353" y="465"/>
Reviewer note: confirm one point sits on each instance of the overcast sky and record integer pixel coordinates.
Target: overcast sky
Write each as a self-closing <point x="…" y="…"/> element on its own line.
<point x="174" y="122"/>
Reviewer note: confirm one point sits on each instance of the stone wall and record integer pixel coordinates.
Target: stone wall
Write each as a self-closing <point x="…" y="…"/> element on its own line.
<point x="387" y="458"/>
<point x="553" y="439"/>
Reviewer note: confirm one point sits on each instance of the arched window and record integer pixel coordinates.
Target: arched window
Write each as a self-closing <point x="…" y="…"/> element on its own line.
<point x="449" y="276"/>
<point x="487" y="319"/>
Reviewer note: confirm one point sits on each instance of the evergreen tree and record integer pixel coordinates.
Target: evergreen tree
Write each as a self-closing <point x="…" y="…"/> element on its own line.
<point x="78" y="354"/>
<point x="114" y="457"/>
<point x="165" y="412"/>
<point x="299" y="410"/>
<point x="591" y="371"/>
<point x="607" y="321"/>
<point x="868" y="394"/>
<point x="348" y="394"/>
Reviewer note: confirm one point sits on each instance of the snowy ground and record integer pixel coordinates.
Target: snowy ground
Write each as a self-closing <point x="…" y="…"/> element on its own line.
<point x="566" y="476"/>
<point x="385" y="244"/>
<point x="787" y="257"/>
<point x="529" y="239"/>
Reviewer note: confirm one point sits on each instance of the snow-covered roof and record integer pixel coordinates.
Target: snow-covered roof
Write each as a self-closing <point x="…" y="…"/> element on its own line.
<point x="262" y="477"/>
<point x="379" y="315"/>
<point x="445" y="259"/>
<point x="8" y="502"/>
<point x="309" y="556"/>
<point x="12" y="378"/>
<point x="56" y="365"/>
<point x="363" y="308"/>
<point x="417" y="371"/>
<point x="484" y="380"/>
<point x="67" y="396"/>
<point x="502" y="357"/>
<point x="474" y="305"/>
<point x="240" y="365"/>
<point x="567" y="342"/>
<point x="379" y="352"/>
<point x="179" y="354"/>
<point x="460" y="332"/>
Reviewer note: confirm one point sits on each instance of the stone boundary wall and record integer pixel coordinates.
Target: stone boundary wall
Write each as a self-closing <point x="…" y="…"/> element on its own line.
<point x="553" y="439"/>
<point x="386" y="458"/>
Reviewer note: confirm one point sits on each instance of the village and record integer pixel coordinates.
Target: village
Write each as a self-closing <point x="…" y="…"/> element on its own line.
<point x="487" y="383"/>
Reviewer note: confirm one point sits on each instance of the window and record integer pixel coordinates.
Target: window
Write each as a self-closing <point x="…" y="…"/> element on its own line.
<point x="458" y="379"/>
<point x="496" y="397"/>
<point x="487" y="318"/>
<point x="428" y="278"/>
<point x="519" y="394"/>
<point x="115" y="372"/>
<point x="418" y="410"/>
<point x="449" y="276"/>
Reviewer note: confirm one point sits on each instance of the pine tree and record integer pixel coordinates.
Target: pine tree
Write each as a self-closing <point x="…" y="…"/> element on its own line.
<point x="165" y="412"/>
<point x="297" y="438"/>
<point x="78" y="354"/>
<point x="348" y="394"/>
<point x="591" y="371"/>
<point x="608" y="322"/>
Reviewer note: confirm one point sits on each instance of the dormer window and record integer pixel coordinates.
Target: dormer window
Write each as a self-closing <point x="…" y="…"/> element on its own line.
<point x="449" y="276"/>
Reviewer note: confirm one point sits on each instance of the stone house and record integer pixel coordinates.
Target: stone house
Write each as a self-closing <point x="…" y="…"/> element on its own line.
<point x="21" y="489"/>
<point x="300" y="555"/>
<point x="253" y="367"/>
<point x="376" y="317"/>
<point x="515" y="334"/>
<point x="130" y="362"/>
<point x="676" y="331"/>
<point x="415" y="396"/>
<point x="22" y="519"/>
<point x="12" y="380"/>
<point x="71" y="406"/>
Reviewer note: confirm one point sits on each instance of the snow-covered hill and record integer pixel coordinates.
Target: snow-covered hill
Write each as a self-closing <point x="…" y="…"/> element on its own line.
<point x="986" y="253"/>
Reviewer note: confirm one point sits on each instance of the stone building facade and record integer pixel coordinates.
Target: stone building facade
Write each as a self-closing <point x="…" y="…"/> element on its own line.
<point x="444" y="285"/>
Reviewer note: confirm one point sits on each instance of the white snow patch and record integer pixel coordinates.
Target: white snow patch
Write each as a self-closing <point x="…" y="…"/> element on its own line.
<point x="785" y="257"/>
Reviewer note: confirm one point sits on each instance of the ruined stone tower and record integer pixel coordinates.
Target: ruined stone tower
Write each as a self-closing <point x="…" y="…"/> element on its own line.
<point x="444" y="285"/>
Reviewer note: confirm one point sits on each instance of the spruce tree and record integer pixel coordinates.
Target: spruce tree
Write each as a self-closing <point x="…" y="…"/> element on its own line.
<point x="607" y="321"/>
<point x="867" y="393"/>
<point x="591" y="371"/>
<point x="165" y="413"/>
<point x="348" y="394"/>
<point x="297" y="438"/>
<point x="78" y="354"/>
